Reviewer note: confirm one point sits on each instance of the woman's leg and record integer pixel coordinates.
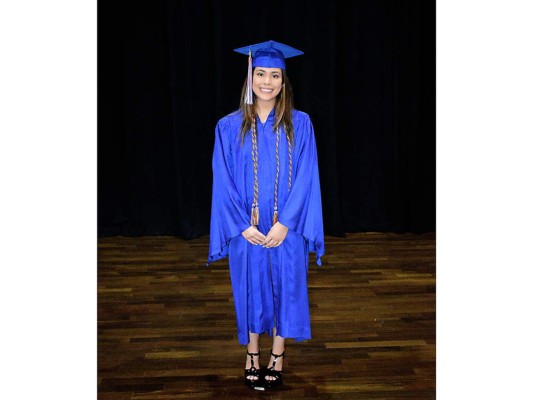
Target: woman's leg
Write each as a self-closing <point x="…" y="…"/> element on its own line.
<point x="278" y="347"/>
<point x="253" y="348"/>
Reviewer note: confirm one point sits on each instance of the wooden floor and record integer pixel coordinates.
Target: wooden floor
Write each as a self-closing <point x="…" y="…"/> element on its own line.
<point x="166" y="327"/>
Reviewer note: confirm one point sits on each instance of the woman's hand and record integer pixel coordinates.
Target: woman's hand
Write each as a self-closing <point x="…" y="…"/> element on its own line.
<point x="275" y="236"/>
<point x="253" y="235"/>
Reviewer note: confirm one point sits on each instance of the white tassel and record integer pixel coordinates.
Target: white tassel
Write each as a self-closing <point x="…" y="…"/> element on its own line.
<point x="249" y="97"/>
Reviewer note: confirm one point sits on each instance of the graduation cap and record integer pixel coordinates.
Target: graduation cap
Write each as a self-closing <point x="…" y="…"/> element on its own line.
<point x="269" y="54"/>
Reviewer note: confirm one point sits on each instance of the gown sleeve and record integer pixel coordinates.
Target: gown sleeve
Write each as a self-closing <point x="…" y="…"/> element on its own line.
<point x="228" y="214"/>
<point x="302" y="211"/>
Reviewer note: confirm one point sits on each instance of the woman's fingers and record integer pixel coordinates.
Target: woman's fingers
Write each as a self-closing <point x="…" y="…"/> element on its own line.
<point x="255" y="237"/>
<point x="271" y="242"/>
<point x="258" y="239"/>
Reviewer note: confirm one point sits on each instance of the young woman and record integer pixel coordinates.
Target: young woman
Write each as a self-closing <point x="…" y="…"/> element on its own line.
<point x="266" y="209"/>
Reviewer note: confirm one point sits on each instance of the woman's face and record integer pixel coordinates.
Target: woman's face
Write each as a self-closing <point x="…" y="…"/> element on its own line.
<point x="267" y="83"/>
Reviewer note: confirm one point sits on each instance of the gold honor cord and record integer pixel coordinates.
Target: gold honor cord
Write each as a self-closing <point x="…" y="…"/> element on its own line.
<point x="255" y="205"/>
<point x="254" y="220"/>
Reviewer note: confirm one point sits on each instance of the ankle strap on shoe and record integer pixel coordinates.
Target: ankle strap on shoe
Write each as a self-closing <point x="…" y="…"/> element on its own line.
<point x="277" y="355"/>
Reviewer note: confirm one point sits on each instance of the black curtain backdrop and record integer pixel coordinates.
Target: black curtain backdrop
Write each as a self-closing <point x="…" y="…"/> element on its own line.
<point x="167" y="72"/>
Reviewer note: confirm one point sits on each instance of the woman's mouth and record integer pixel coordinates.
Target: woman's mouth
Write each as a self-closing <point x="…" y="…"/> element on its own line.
<point x="265" y="90"/>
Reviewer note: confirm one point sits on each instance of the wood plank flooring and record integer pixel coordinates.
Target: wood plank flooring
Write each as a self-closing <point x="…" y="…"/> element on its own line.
<point x="166" y="324"/>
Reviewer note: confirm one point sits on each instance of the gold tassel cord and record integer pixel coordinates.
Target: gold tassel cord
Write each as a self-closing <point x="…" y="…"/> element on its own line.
<point x="289" y="147"/>
<point x="275" y="217"/>
<point x="254" y="219"/>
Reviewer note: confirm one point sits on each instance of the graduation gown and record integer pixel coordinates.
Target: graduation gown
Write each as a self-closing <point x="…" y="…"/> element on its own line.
<point x="269" y="285"/>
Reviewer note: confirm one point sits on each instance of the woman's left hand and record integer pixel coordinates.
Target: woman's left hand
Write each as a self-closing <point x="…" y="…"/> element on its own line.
<point x="275" y="236"/>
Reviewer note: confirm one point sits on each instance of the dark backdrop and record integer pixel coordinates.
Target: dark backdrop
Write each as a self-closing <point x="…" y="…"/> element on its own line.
<point x="167" y="72"/>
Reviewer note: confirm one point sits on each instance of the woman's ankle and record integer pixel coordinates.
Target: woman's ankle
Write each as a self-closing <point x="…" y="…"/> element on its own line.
<point x="278" y="345"/>
<point x="253" y="343"/>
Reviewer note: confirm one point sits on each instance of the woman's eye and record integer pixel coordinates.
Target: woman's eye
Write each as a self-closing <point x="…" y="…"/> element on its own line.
<point x="276" y="76"/>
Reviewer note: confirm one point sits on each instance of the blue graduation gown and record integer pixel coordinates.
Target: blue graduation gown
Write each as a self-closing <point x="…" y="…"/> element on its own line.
<point x="269" y="285"/>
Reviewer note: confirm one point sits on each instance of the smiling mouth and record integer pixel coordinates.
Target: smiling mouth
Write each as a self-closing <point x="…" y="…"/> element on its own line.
<point x="266" y="90"/>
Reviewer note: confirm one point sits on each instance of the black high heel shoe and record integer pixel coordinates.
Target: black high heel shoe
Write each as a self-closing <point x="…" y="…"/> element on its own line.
<point x="271" y="372"/>
<point x="252" y="372"/>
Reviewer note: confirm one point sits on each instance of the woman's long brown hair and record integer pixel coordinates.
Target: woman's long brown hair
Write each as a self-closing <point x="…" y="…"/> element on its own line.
<point x="283" y="113"/>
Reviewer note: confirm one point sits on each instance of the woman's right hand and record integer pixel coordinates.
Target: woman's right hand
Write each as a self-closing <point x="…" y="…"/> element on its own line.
<point x="253" y="235"/>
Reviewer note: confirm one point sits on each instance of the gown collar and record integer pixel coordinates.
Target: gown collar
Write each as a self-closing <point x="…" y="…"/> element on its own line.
<point x="270" y="116"/>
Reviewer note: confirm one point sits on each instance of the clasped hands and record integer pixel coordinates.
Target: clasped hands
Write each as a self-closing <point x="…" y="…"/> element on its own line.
<point x="274" y="238"/>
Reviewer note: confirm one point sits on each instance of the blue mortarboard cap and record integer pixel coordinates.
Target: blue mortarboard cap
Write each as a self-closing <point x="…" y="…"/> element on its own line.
<point x="269" y="54"/>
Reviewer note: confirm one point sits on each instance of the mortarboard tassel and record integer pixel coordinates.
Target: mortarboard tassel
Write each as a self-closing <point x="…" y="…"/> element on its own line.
<point x="249" y="97"/>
